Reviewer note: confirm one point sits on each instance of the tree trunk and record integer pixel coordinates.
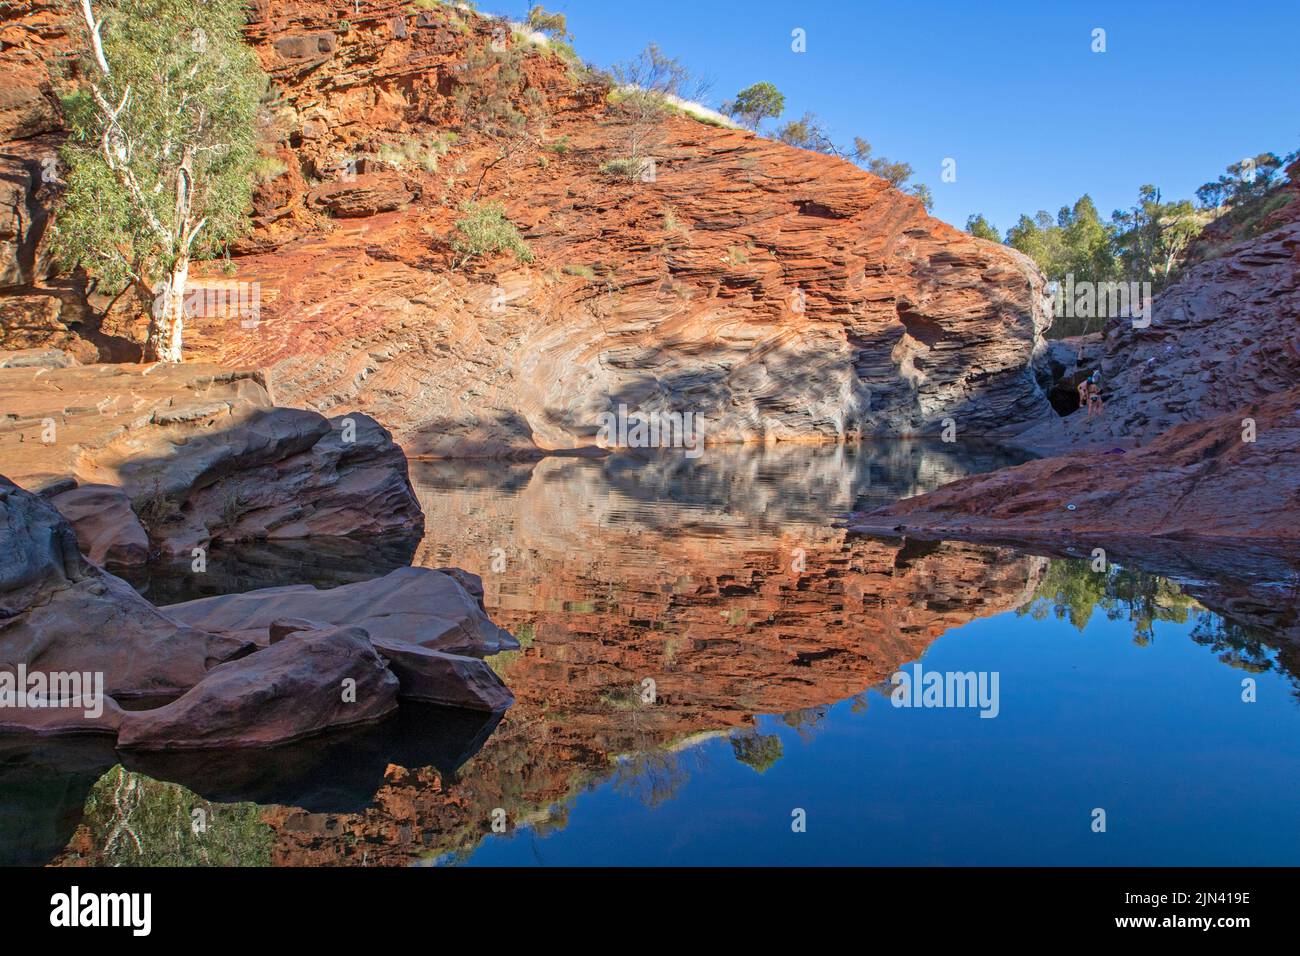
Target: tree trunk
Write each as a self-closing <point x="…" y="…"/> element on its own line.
<point x="168" y="317"/>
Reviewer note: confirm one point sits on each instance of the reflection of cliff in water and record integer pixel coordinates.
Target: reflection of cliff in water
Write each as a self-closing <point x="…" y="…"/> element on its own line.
<point x="720" y="580"/>
<point x="617" y="571"/>
<point x="722" y="641"/>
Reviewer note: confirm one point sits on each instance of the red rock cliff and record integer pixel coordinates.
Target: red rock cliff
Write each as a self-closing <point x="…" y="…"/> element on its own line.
<point x="780" y="294"/>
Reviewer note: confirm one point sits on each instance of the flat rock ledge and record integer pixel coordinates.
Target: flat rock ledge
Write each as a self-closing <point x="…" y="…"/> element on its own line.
<point x="254" y="670"/>
<point x="158" y="459"/>
<point x="1233" y="477"/>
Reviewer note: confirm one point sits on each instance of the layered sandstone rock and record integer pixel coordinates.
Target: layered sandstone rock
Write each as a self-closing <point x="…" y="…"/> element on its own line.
<point x="777" y="293"/>
<point x="1225" y="335"/>
<point x="59" y="612"/>
<point x="1231" y="477"/>
<point x="309" y="682"/>
<point x="202" y="454"/>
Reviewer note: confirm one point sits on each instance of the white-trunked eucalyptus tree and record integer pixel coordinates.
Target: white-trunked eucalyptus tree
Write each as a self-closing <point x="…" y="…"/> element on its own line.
<point x="162" y="139"/>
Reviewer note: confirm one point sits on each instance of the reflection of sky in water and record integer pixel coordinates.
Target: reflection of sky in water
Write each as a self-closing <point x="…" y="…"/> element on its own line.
<point x="1156" y="735"/>
<point x="652" y="564"/>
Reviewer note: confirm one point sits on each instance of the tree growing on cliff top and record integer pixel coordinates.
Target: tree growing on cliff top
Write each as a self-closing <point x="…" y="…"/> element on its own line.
<point x="981" y="228"/>
<point x="1152" y="235"/>
<point x="647" y="86"/>
<point x="756" y="103"/>
<point x="161" y="149"/>
<point x="808" y="133"/>
<point x="554" y="25"/>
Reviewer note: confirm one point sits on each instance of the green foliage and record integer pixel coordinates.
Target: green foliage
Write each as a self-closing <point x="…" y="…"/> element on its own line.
<point x="581" y="271"/>
<point x="1076" y="243"/>
<point x="489" y="89"/>
<point x="194" y="89"/>
<point x="554" y="25"/>
<point x="622" y="168"/>
<point x="425" y="152"/>
<point x="484" y="230"/>
<point x="1071" y="590"/>
<point x="647" y="85"/>
<point x="807" y="132"/>
<point x="1245" y="181"/>
<point x="266" y="168"/>
<point x="922" y="192"/>
<point x="981" y="228"/>
<point x="756" y="103"/>
<point x="1151" y="237"/>
<point x="138" y="821"/>
<point x="757" y="751"/>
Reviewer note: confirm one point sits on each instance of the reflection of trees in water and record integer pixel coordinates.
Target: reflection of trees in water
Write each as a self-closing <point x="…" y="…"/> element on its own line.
<point x="1071" y="590"/>
<point x="759" y="751"/>
<point x="134" y="820"/>
<point x="806" y="721"/>
<point x="653" y="776"/>
<point x="1234" y="644"/>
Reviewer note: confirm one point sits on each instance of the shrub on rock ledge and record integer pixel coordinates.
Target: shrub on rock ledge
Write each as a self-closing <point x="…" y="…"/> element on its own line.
<point x="484" y="229"/>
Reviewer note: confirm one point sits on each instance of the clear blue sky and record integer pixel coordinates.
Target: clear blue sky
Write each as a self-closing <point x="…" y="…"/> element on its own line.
<point x="1010" y="90"/>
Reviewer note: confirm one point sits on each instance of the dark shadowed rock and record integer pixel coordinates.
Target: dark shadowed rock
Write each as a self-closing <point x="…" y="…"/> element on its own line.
<point x="309" y="682"/>
<point x="447" y="679"/>
<point x="1201" y="480"/>
<point x="204" y="455"/>
<point x="410" y="605"/>
<point x="1226" y="334"/>
<point x="63" y="718"/>
<point x="59" y="612"/>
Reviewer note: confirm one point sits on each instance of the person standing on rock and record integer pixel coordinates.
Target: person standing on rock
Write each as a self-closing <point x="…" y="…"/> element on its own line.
<point x="1095" y="404"/>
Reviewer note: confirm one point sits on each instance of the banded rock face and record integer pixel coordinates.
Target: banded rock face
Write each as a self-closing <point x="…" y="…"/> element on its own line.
<point x="780" y="294"/>
<point x="1226" y="334"/>
<point x="1210" y="480"/>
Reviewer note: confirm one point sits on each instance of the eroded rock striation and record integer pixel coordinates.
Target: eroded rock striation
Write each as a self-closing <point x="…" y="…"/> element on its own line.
<point x="777" y="293"/>
<point x="1225" y="335"/>
<point x="1200" y="480"/>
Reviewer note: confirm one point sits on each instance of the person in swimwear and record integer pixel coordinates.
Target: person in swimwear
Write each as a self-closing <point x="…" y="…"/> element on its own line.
<point x="1095" y="404"/>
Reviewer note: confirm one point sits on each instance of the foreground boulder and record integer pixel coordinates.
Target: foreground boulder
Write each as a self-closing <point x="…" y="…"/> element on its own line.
<point x="418" y="606"/>
<point x="451" y="680"/>
<point x="59" y="612"/>
<point x="202" y="454"/>
<point x="308" y="682"/>
<point x="108" y="531"/>
<point x="426" y="676"/>
<point x="257" y="677"/>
